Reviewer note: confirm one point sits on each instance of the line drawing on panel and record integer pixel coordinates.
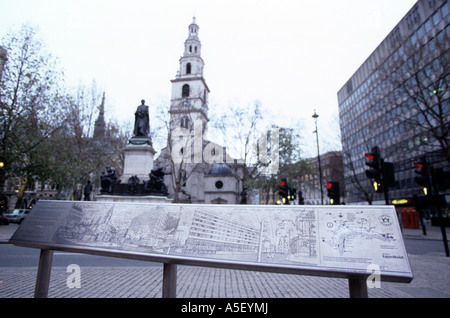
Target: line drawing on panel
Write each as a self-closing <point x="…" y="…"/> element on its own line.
<point x="196" y="231"/>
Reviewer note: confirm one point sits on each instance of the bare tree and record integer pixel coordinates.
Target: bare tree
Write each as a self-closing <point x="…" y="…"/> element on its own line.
<point x="358" y="182"/>
<point x="31" y="96"/>
<point x="80" y="156"/>
<point x="242" y="129"/>
<point x="46" y="129"/>
<point x="182" y="155"/>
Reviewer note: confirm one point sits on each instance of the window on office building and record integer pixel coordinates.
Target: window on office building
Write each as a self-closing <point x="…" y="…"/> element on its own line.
<point x="444" y="10"/>
<point x="436" y="18"/>
<point x="428" y="26"/>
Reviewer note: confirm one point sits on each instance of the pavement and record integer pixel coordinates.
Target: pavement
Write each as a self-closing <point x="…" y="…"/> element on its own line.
<point x="431" y="280"/>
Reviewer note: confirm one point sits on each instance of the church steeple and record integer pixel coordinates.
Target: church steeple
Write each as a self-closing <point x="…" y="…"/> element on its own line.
<point x="192" y="45"/>
<point x="191" y="63"/>
<point x="189" y="101"/>
<point x="100" y="125"/>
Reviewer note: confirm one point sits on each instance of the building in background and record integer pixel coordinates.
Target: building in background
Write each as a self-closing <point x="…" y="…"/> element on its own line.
<point x="332" y="171"/>
<point x="398" y="100"/>
<point x="190" y="176"/>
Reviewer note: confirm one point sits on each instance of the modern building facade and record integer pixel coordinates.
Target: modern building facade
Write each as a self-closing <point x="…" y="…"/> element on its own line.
<point x="398" y="100"/>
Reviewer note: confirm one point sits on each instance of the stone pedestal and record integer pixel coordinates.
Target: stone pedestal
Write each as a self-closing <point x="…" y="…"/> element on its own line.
<point x="138" y="162"/>
<point x="138" y="159"/>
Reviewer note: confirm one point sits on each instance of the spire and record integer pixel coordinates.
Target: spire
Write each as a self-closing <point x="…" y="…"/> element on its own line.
<point x="101" y="108"/>
<point x="193" y="29"/>
<point x="100" y="125"/>
<point x="192" y="44"/>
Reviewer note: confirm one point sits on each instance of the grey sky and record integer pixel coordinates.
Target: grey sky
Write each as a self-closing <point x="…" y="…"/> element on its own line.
<point x="291" y="55"/>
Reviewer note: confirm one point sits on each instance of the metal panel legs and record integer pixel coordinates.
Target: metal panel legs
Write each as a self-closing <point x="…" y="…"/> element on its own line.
<point x="169" y="288"/>
<point x="43" y="275"/>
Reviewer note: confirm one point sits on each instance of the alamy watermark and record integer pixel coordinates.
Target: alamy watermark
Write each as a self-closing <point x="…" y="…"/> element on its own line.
<point x="187" y="147"/>
<point x="374" y="279"/>
<point x="74" y="279"/>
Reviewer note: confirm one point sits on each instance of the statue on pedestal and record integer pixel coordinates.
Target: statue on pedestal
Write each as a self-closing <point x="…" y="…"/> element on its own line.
<point x="142" y="121"/>
<point x="138" y="161"/>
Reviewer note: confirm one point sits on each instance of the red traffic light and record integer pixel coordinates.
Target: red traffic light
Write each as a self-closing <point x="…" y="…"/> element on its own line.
<point x="329" y="185"/>
<point x="282" y="184"/>
<point x="418" y="164"/>
<point x="370" y="156"/>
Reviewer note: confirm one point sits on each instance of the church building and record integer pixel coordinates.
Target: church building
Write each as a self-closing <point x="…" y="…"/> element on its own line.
<point x="197" y="170"/>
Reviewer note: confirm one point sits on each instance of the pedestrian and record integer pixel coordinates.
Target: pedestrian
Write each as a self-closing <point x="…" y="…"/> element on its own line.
<point x="87" y="191"/>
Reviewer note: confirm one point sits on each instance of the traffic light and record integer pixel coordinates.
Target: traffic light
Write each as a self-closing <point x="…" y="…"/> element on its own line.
<point x="375" y="173"/>
<point x="442" y="179"/>
<point x="423" y="178"/>
<point x="284" y="191"/>
<point x="388" y="174"/>
<point x="334" y="193"/>
<point x="2" y="169"/>
<point x="292" y="194"/>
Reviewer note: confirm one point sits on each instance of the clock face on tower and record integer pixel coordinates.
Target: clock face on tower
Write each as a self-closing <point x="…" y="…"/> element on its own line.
<point x="185" y="103"/>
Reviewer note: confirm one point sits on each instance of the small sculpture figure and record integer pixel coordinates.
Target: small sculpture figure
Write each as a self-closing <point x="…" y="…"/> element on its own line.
<point x="133" y="184"/>
<point x="156" y="183"/>
<point x="142" y="121"/>
<point x="107" y="180"/>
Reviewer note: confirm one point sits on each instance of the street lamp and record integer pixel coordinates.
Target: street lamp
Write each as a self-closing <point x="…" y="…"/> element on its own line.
<point x="315" y="116"/>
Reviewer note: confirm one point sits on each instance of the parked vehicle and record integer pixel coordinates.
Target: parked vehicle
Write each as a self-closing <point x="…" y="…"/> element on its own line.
<point x="16" y="215"/>
<point x="3" y="219"/>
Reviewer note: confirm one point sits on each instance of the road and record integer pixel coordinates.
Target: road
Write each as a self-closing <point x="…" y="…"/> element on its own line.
<point x="422" y="247"/>
<point x="14" y="256"/>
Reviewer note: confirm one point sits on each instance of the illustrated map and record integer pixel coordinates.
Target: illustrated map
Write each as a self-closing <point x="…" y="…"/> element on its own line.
<point x="339" y="237"/>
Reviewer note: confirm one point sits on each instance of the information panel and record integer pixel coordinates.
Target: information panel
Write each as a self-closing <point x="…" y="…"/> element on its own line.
<point x="336" y="238"/>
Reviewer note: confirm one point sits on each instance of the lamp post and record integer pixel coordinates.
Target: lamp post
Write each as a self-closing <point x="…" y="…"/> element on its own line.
<point x="315" y="116"/>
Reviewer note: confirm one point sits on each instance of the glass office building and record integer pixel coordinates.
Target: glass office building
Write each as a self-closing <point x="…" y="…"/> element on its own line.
<point x="398" y="100"/>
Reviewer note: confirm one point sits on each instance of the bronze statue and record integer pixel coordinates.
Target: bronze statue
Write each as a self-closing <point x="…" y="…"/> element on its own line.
<point x="142" y="121"/>
<point x="133" y="183"/>
<point x="108" y="179"/>
<point x="156" y="184"/>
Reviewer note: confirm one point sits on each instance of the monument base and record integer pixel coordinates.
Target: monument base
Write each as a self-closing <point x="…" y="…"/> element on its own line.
<point x="138" y="159"/>
<point x="133" y="198"/>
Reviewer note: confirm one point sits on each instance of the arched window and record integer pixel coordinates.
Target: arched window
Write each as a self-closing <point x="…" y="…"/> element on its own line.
<point x="184" y="122"/>
<point x="185" y="91"/>
<point x="188" y="68"/>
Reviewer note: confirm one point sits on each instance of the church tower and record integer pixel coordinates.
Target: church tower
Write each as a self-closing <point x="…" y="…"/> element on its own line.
<point x="189" y="99"/>
<point x="193" y="179"/>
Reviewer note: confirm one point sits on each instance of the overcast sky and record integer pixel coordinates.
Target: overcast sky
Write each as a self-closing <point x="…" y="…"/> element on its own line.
<point x="291" y="55"/>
